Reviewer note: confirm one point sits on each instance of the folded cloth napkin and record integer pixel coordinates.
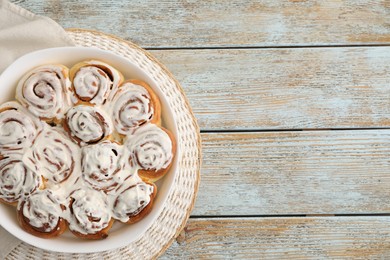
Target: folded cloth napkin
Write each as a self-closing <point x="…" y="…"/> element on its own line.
<point x="22" y="32"/>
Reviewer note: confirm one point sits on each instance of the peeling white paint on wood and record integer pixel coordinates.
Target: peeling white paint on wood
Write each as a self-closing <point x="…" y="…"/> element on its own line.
<point x="225" y="23"/>
<point x="281" y="238"/>
<point x="285" y="88"/>
<point x="308" y="172"/>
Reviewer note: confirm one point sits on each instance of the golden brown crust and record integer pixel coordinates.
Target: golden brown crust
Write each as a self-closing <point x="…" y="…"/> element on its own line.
<point x="156" y="119"/>
<point x="144" y="212"/>
<point x="98" y="177"/>
<point x="14" y="204"/>
<point x="75" y="68"/>
<point x="99" y="116"/>
<point x="102" y="234"/>
<point x="52" y="120"/>
<point x="23" y="222"/>
<point x="5" y="108"/>
<point x="108" y="69"/>
<point x="152" y="175"/>
<point x="88" y="218"/>
<point x="154" y="102"/>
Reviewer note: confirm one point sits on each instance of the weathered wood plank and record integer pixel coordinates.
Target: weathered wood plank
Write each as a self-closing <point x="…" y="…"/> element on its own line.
<point x="285" y="88"/>
<point x="226" y="23"/>
<point x="281" y="238"/>
<point x="303" y="172"/>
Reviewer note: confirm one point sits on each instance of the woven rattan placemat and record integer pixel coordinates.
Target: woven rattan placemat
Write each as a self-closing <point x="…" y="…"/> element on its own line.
<point x="182" y="195"/>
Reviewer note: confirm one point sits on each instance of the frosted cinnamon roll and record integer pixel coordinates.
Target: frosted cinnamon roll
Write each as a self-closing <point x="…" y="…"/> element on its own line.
<point x="40" y="214"/>
<point x="100" y="165"/>
<point x="87" y="124"/>
<point x="151" y="149"/>
<point x="90" y="216"/>
<point x="133" y="105"/>
<point x="45" y="92"/>
<point x="135" y="202"/>
<point x="17" y="128"/>
<point x="93" y="80"/>
<point x="53" y="156"/>
<point x="16" y="180"/>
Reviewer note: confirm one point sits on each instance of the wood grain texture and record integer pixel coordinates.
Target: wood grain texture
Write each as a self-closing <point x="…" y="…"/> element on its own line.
<point x="282" y="238"/>
<point x="285" y="88"/>
<point x="162" y="24"/>
<point x="307" y="172"/>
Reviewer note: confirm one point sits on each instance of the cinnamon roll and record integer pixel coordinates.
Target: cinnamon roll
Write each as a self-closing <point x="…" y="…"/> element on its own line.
<point x="53" y="156"/>
<point x="82" y="150"/>
<point x="133" y="105"/>
<point x="90" y="216"/>
<point x="45" y="91"/>
<point x="87" y="124"/>
<point x="16" y="180"/>
<point x="151" y="149"/>
<point x="135" y="202"/>
<point x="17" y="128"/>
<point x="93" y="80"/>
<point x="100" y="165"/>
<point x="40" y="214"/>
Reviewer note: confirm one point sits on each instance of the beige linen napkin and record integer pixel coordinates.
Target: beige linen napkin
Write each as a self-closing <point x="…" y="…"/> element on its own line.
<point x="22" y="32"/>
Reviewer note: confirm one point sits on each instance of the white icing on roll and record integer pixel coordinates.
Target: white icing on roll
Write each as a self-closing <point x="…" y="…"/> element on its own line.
<point x="16" y="180"/>
<point x="132" y="201"/>
<point x="53" y="156"/>
<point x="17" y="128"/>
<point x="131" y="107"/>
<point x="149" y="147"/>
<point x="88" y="124"/>
<point x="43" y="210"/>
<point x="93" y="82"/>
<point x="44" y="91"/>
<point x="88" y="186"/>
<point x="89" y="212"/>
<point x="100" y="165"/>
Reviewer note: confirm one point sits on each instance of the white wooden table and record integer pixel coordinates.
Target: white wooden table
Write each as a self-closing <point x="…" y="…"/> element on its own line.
<point x="293" y="101"/>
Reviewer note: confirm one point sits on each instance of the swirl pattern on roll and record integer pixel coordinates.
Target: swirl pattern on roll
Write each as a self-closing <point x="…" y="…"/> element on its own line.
<point x="53" y="156"/>
<point x="133" y="105"/>
<point x="150" y="148"/>
<point x="16" y="180"/>
<point x="87" y="124"/>
<point x="82" y="151"/>
<point x="100" y="165"/>
<point x="132" y="201"/>
<point x="93" y="80"/>
<point x="42" y="212"/>
<point x="89" y="212"/>
<point x="17" y="128"/>
<point x="45" y="92"/>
